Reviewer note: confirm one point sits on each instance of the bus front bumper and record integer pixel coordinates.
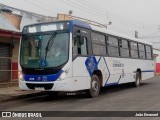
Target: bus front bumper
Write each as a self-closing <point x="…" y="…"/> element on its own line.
<point x="58" y="85"/>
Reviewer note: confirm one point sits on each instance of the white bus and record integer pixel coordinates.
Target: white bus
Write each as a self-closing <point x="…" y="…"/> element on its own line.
<point x="74" y="55"/>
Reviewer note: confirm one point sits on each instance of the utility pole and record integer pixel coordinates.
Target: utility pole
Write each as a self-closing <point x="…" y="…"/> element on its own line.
<point x="70" y="12"/>
<point x="136" y="34"/>
<point x="158" y="27"/>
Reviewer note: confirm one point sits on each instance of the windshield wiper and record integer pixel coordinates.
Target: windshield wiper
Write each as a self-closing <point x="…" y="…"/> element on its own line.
<point x="50" y="43"/>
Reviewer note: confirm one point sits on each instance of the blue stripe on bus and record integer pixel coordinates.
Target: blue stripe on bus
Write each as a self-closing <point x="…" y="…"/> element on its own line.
<point x="119" y="78"/>
<point x="108" y="71"/>
<point x="99" y="60"/>
<point x="110" y="84"/>
<point x="148" y="71"/>
<point x="42" y="78"/>
<point x="81" y="24"/>
<point x="71" y="26"/>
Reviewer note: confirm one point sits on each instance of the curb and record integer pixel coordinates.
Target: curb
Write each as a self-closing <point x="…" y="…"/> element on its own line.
<point x="7" y="98"/>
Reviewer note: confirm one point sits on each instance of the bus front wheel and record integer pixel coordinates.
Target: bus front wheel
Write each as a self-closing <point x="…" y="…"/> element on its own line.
<point x="94" y="87"/>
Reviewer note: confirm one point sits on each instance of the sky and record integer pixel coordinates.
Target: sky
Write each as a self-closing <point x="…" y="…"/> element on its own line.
<point x="126" y="15"/>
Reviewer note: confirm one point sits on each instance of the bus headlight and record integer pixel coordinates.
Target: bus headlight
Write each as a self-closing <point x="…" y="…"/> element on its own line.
<point x="20" y="75"/>
<point x="64" y="74"/>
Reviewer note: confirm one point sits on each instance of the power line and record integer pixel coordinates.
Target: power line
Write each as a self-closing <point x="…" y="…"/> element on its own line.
<point x="97" y="12"/>
<point x="24" y="11"/>
<point x="78" y="6"/>
<point x="37" y="1"/>
<point x="110" y="15"/>
<point x="149" y="35"/>
<point x="91" y="8"/>
<point x="102" y="14"/>
<point x="39" y="6"/>
<point x="86" y="9"/>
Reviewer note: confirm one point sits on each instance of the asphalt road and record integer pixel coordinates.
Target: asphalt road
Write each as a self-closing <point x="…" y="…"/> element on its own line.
<point x="116" y="98"/>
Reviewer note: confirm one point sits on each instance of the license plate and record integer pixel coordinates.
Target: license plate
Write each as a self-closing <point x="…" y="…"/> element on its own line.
<point x="39" y="88"/>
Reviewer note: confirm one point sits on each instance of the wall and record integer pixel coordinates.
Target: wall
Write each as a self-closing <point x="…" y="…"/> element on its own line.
<point x="14" y="62"/>
<point x="157" y="53"/>
<point x="5" y="40"/>
<point x="15" y="51"/>
<point x="15" y="20"/>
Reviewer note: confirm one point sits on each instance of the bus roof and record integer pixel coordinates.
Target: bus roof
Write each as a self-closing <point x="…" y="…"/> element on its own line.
<point x="96" y="28"/>
<point x="104" y="30"/>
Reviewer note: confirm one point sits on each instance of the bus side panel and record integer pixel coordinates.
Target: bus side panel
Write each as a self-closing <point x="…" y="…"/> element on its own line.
<point x="114" y="71"/>
<point x="148" y="71"/>
<point x="123" y="70"/>
<point x="81" y="76"/>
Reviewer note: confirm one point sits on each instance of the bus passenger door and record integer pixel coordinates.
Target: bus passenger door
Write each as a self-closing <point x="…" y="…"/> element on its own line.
<point x="81" y="49"/>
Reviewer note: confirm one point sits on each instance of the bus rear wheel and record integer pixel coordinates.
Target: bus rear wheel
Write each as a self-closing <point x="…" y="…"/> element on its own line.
<point x="137" y="80"/>
<point x="94" y="87"/>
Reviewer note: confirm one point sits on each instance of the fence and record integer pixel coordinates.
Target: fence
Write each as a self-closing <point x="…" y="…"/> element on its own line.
<point x="8" y="70"/>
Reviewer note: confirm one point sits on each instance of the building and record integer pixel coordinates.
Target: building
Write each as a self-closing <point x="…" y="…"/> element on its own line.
<point x="9" y="42"/>
<point x="155" y="40"/>
<point x="157" y="60"/>
<point x="12" y="21"/>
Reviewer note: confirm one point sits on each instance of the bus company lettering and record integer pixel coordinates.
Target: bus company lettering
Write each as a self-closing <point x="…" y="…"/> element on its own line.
<point x="117" y="63"/>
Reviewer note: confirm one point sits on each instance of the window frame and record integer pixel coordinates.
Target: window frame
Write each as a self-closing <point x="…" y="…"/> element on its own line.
<point x="119" y="38"/>
<point x="108" y="35"/>
<point x="77" y="47"/>
<point x="120" y="47"/>
<point x="151" y="52"/>
<point x="134" y="49"/>
<point x="76" y="28"/>
<point x="142" y="51"/>
<point x="104" y="45"/>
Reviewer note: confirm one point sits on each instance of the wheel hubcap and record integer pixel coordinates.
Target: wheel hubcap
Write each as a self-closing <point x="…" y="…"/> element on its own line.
<point x="138" y="81"/>
<point x="95" y="86"/>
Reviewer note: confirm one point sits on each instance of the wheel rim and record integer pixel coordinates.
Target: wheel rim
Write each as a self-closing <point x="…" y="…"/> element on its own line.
<point x="95" y="86"/>
<point x="138" y="82"/>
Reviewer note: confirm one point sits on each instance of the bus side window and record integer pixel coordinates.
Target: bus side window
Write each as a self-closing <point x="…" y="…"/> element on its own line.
<point x="124" y="48"/>
<point x="113" y="48"/>
<point x="134" y="49"/>
<point x="74" y="46"/>
<point x="98" y="44"/>
<point x="83" y="46"/>
<point x="79" y="46"/>
<point x="141" y="51"/>
<point x="148" y="52"/>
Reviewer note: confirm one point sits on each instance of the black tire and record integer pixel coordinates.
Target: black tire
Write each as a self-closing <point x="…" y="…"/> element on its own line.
<point x="94" y="87"/>
<point x="137" y="80"/>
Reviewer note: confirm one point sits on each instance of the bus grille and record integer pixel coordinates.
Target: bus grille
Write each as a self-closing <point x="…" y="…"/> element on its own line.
<point x="45" y="86"/>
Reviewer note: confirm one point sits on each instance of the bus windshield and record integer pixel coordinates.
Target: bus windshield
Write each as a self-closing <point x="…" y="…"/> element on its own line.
<point x="44" y="50"/>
